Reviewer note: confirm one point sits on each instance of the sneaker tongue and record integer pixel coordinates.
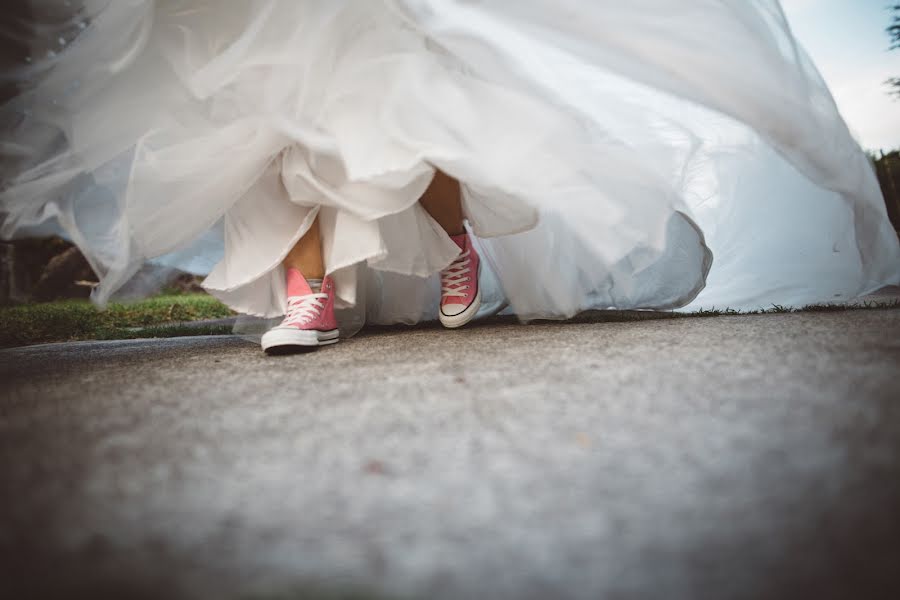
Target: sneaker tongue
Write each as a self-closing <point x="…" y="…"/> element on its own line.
<point x="296" y="284"/>
<point x="460" y="240"/>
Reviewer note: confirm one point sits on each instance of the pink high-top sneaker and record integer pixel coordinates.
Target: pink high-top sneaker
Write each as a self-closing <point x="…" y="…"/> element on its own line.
<point x="309" y="322"/>
<point x="460" y="292"/>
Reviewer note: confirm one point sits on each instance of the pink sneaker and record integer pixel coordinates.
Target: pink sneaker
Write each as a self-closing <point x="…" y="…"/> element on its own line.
<point x="460" y="292"/>
<point x="309" y="322"/>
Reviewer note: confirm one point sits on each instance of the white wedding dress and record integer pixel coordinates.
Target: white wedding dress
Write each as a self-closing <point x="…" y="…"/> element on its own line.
<point x="641" y="154"/>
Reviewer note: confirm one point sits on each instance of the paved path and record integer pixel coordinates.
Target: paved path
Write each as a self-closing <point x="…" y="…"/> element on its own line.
<point x="731" y="457"/>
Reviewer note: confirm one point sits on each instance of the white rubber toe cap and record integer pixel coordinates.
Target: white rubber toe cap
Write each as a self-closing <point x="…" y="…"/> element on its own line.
<point x="457" y="315"/>
<point x="291" y="336"/>
<point x="452" y="310"/>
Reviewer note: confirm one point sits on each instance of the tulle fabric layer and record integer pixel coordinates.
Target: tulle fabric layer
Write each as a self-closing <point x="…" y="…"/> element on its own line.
<point x="604" y="151"/>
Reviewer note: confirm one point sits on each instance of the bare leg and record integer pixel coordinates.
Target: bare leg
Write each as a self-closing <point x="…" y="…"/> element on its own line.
<point x="306" y="255"/>
<point x="442" y="201"/>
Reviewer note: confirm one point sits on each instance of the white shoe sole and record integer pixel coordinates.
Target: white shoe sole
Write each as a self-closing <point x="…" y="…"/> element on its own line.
<point x="288" y="338"/>
<point x="455" y="321"/>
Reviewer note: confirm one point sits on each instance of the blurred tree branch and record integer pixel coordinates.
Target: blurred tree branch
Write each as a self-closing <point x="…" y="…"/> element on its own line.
<point x="893" y="30"/>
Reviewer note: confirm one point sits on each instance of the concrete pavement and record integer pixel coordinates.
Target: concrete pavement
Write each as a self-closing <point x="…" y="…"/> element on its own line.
<point x="729" y="457"/>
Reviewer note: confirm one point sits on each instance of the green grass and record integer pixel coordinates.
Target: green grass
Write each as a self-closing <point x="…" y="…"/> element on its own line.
<point x="163" y="331"/>
<point x="778" y="309"/>
<point x="80" y="320"/>
<point x="160" y="316"/>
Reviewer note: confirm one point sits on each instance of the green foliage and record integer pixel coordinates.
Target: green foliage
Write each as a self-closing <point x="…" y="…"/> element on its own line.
<point x="80" y="320"/>
<point x="893" y="31"/>
<point x="887" y="169"/>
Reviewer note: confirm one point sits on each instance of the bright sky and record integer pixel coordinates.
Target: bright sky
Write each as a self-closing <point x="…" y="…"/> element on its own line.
<point x="846" y="40"/>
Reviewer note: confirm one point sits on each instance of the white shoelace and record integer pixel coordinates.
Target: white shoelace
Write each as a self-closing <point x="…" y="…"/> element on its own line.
<point x="454" y="277"/>
<point x="301" y="309"/>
